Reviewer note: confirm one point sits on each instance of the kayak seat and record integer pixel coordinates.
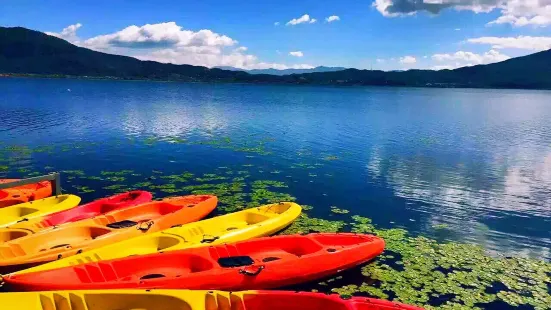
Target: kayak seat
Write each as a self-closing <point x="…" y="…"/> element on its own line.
<point x="301" y="248"/>
<point x="122" y="224"/>
<point x="235" y="261"/>
<point x="12" y="235"/>
<point x="25" y="211"/>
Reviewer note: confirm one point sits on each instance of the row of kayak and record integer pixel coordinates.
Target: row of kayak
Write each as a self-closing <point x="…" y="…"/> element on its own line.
<point x="190" y="300"/>
<point x="127" y="251"/>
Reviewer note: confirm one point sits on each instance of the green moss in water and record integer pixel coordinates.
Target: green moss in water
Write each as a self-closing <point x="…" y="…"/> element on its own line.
<point x="4" y="168"/>
<point x="182" y="178"/>
<point x="339" y="211"/>
<point x="74" y="172"/>
<point x="83" y="189"/>
<point x="462" y="274"/>
<point x="307" y="224"/>
<point x="209" y="177"/>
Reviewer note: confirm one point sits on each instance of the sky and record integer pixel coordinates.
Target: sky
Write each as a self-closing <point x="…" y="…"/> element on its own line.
<point x="364" y="34"/>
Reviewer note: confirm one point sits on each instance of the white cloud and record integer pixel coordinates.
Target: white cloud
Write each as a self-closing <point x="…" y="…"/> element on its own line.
<point x="515" y="12"/>
<point x="380" y="60"/>
<point x="276" y="24"/>
<point x="462" y="59"/>
<point x="68" y="33"/>
<point x="332" y="18"/>
<point x="408" y="60"/>
<point x="520" y="42"/>
<point x="170" y="43"/>
<point x="457" y="29"/>
<point x="301" y="20"/>
<point x="525" y="12"/>
<point x="296" y="54"/>
<point x="159" y="35"/>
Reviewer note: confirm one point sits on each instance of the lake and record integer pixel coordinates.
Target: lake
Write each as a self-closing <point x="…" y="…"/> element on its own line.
<point x="462" y="165"/>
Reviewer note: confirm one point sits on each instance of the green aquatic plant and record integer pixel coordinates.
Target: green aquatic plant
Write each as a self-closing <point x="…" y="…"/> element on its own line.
<point x="83" y="189"/>
<point x="115" y="179"/>
<point x="307" y="224"/>
<point x="336" y="210"/>
<point x="182" y="178"/>
<point x="464" y="276"/>
<point x="4" y="168"/>
<point x="116" y="173"/>
<point x="74" y="172"/>
<point x="331" y="157"/>
<point x="209" y="177"/>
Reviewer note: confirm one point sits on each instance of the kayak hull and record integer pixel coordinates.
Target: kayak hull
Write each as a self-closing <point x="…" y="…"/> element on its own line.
<point x="247" y="224"/>
<point x="73" y="238"/>
<point x="191" y="300"/>
<point x="25" y="193"/>
<point x="254" y="264"/>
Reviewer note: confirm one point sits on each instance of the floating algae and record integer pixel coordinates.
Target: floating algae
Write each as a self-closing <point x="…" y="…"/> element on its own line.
<point x="339" y="211"/>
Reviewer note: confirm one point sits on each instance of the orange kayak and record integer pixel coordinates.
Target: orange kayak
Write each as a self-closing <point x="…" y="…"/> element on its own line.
<point x="253" y="264"/>
<point x="25" y="193"/>
<point x="74" y="238"/>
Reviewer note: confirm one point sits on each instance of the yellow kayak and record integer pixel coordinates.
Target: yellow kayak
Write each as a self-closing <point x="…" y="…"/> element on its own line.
<point x="34" y="210"/>
<point x="247" y="224"/>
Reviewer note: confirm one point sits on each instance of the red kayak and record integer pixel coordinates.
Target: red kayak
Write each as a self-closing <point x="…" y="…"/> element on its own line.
<point x="254" y="264"/>
<point x="277" y="300"/>
<point x="95" y="208"/>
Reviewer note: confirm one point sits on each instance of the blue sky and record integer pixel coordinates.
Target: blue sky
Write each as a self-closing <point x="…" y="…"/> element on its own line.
<point x="380" y="34"/>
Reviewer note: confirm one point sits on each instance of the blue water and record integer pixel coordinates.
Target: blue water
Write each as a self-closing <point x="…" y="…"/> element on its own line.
<point x="476" y="162"/>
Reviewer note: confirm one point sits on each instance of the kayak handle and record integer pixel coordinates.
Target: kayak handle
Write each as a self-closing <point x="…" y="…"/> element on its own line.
<point x="23" y="220"/>
<point x="147" y="226"/>
<point x="207" y="239"/>
<point x="248" y="272"/>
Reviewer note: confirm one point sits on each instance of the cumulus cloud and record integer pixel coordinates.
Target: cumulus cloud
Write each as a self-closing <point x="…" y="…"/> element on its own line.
<point x="408" y="60"/>
<point x="170" y="43"/>
<point x="515" y="12"/>
<point x="296" y="54"/>
<point x="332" y="18"/>
<point x="301" y="20"/>
<point x="276" y="24"/>
<point x="380" y="60"/>
<point x="68" y="33"/>
<point x="520" y="42"/>
<point x="462" y="59"/>
<point x="525" y="12"/>
<point x="160" y="35"/>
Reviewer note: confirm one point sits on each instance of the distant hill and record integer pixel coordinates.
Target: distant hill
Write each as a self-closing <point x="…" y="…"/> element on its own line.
<point x="285" y="71"/>
<point x="29" y="52"/>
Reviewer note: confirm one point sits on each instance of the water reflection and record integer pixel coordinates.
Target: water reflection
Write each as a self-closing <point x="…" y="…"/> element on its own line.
<point x="476" y="202"/>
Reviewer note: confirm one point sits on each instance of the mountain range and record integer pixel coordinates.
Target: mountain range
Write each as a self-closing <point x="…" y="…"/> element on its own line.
<point x="285" y="71"/>
<point x="28" y="52"/>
